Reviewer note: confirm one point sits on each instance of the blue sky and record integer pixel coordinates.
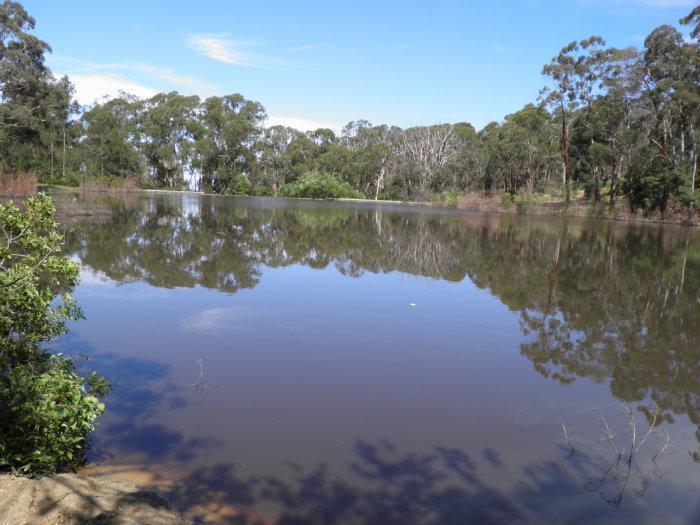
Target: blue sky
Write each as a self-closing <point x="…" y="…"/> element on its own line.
<point x="313" y="63"/>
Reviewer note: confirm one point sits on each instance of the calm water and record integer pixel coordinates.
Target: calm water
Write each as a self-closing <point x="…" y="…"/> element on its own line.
<point x="326" y="363"/>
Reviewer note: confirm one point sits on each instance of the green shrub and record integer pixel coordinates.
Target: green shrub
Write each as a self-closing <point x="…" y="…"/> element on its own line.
<point x="319" y="185"/>
<point x="651" y="186"/>
<point x="46" y="408"/>
<point x="262" y="191"/>
<point x="71" y="178"/>
<point x="240" y="185"/>
<point x="446" y="198"/>
<point x="526" y="202"/>
<point x="45" y="418"/>
<point x="506" y="200"/>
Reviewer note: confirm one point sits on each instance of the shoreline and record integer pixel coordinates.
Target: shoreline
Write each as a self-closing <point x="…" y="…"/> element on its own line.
<point x="79" y="499"/>
<point x="469" y="203"/>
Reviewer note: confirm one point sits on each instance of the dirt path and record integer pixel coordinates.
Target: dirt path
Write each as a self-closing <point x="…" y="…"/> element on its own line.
<point x="74" y="499"/>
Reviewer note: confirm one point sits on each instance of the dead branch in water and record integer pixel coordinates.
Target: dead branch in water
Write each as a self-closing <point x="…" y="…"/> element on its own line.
<point x="625" y="462"/>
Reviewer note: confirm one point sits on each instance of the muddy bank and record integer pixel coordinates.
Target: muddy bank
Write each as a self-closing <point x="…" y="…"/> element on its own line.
<point x="74" y="499"/>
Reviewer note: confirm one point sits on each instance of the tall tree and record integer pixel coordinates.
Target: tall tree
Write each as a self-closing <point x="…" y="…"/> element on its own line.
<point x="111" y="138"/>
<point x="34" y="106"/>
<point x="574" y="73"/>
<point x="231" y="129"/>
<point x="170" y="129"/>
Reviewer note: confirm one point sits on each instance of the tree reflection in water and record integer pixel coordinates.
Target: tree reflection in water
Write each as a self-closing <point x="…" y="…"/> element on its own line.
<point x="614" y="303"/>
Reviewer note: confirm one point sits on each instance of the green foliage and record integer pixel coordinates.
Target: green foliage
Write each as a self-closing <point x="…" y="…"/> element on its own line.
<point x="506" y="201"/>
<point x="240" y="185"/>
<point x="607" y="117"/>
<point x="652" y="187"/>
<point x="262" y="191"/>
<point x="525" y="202"/>
<point x="45" y="409"/>
<point x="446" y="198"/>
<point x="110" y="145"/>
<point x="32" y="272"/>
<point x="45" y="418"/>
<point x="319" y="185"/>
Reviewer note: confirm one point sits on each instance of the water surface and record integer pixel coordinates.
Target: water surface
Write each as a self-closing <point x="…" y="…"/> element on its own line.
<point x="325" y="363"/>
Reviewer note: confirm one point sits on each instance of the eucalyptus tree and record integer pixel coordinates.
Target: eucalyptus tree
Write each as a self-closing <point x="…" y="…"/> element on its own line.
<point x="466" y="166"/>
<point x="693" y="20"/>
<point x="231" y="127"/>
<point x="111" y="138"/>
<point x="34" y="106"/>
<point x="373" y="148"/>
<point x="431" y="149"/>
<point x="574" y="75"/>
<point x="170" y="127"/>
<point x="534" y="125"/>
<point x="274" y="160"/>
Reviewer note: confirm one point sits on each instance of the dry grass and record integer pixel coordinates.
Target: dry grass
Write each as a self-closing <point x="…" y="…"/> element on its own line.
<point x="481" y="202"/>
<point x="17" y="184"/>
<point x="579" y="207"/>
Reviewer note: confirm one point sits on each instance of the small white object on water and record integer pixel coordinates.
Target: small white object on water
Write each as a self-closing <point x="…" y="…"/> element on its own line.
<point x="412" y="304"/>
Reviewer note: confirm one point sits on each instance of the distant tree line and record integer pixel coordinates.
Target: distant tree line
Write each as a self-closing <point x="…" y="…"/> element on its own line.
<point x="610" y="123"/>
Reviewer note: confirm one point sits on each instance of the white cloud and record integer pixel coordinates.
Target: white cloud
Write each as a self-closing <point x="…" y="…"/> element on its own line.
<point x="92" y="87"/>
<point x="214" y="320"/>
<point x="302" y="124"/>
<point x="90" y="277"/>
<point x="97" y="81"/>
<point x="222" y="48"/>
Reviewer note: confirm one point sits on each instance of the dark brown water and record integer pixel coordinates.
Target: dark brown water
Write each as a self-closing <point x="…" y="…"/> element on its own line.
<point x="327" y="363"/>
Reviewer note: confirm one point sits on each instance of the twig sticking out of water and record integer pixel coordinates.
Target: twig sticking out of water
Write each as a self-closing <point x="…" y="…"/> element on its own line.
<point x="625" y="462"/>
<point x="198" y="382"/>
<point x="565" y="433"/>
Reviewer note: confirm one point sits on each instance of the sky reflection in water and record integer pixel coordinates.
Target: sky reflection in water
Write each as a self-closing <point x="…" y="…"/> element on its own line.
<point x="325" y="396"/>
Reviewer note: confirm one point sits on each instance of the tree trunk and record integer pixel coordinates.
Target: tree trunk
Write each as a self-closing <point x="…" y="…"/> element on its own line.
<point x="596" y="189"/>
<point x="694" y="159"/>
<point x="380" y="183"/>
<point x="64" y="154"/>
<point x="614" y="181"/>
<point x="565" y="152"/>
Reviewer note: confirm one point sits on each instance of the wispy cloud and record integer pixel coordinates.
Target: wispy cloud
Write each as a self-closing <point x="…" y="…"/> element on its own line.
<point x="96" y="81"/>
<point x="222" y="48"/>
<point x="166" y="74"/>
<point x="498" y="48"/>
<point x="305" y="47"/>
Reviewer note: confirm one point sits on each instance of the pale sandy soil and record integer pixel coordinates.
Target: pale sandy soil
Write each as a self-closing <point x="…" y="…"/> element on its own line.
<point x="74" y="499"/>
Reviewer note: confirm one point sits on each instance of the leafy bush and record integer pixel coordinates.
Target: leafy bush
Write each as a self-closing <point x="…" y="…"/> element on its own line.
<point x="319" y="185"/>
<point x="240" y="185"/>
<point x="46" y="408"/>
<point x="71" y="178"/>
<point x="506" y="200"/>
<point x="651" y="186"/>
<point x="446" y="198"/>
<point x="262" y="191"/>
<point x="45" y="418"/>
